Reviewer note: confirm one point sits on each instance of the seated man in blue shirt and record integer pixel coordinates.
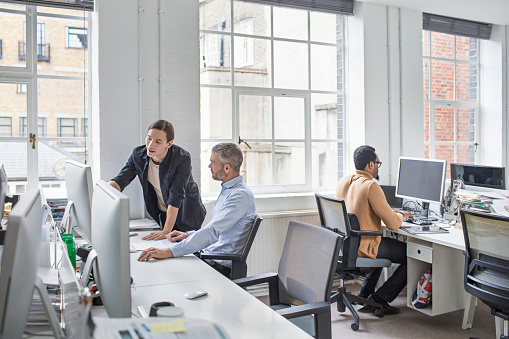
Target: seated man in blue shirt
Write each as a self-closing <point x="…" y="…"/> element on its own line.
<point x="232" y="215"/>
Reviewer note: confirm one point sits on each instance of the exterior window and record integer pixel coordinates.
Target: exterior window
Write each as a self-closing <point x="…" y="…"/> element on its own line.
<point x="66" y="127"/>
<point x="41" y="127"/>
<point x="5" y="126"/>
<point x="43" y="49"/>
<point x="272" y="82"/>
<point x="76" y="37"/>
<point x="84" y="127"/>
<point x="22" y="88"/>
<point x="451" y="87"/>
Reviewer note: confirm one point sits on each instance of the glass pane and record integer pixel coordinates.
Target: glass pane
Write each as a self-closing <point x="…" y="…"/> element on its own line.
<point x="259" y="14"/>
<point x="289" y="159"/>
<point x="255" y="117"/>
<point x="324" y="27"/>
<point x="444" y="124"/>
<point x="290" y="23"/>
<point x="326" y="121"/>
<point x="62" y="45"/>
<point x="53" y="10"/>
<point x="464" y="50"/>
<point x="327" y="163"/>
<point x="466" y="82"/>
<point x="466" y="154"/>
<point x="216" y="113"/>
<point x="215" y="59"/>
<point x="426" y="121"/>
<point x="325" y="68"/>
<point x="208" y="185"/>
<point x="252" y="62"/>
<point x="442" y="45"/>
<point x="425" y="43"/>
<point x="290" y="65"/>
<point x="289" y="118"/>
<point x="215" y="15"/>
<point x="12" y="38"/>
<point x="426" y="150"/>
<point x="445" y="152"/>
<point x="13" y="106"/>
<point x="442" y="80"/>
<point x="66" y="100"/>
<point x="425" y="73"/>
<point x="14" y="158"/>
<point x="257" y="166"/>
<point x="465" y="124"/>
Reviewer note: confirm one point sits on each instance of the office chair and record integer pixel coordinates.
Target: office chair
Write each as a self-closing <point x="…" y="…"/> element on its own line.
<point x="239" y="265"/>
<point x="305" y="273"/>
<point x="333" y="216"/>
<point x="487" y="261"/>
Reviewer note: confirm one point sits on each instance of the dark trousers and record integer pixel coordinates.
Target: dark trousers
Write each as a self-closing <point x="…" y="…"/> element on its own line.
<point x="395" y="251"/>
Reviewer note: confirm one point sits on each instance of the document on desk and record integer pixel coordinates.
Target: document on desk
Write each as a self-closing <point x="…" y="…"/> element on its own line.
<point x="142" y="245"/>
<point x="501" y="207"/>
<point x="154" y="328"/>
<point x="143" y="225"/>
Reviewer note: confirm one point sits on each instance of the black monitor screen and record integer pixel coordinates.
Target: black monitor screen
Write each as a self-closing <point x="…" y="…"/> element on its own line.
<point x="483" y="176"/>
<point x="421" y="179"/>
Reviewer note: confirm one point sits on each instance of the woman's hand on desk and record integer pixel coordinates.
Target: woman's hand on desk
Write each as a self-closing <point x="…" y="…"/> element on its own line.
<point x="176" y="236"/>
<point x="155" y="253"/>
<point x="155" y="236"/>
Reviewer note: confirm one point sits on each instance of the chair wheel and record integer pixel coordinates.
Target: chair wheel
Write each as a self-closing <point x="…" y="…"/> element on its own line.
<point x="379" y="312"/>
<point x="355" y="326"/>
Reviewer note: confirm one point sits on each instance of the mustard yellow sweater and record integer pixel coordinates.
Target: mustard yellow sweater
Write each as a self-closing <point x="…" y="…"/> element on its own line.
<point x="366" y="199"/>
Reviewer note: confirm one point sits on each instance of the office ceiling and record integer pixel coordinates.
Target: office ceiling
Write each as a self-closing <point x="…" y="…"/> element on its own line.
<point x="489" y="11"/>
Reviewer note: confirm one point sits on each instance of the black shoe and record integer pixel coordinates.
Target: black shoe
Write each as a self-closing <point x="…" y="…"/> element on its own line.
<point x="388" y="309"/>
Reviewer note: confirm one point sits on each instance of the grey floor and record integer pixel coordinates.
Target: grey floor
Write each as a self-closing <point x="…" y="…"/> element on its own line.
<point x="410" y="323"/>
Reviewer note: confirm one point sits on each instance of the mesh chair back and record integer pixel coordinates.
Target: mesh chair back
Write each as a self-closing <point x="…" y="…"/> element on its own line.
<point x="333" y="215"/>
<point x="251" y="237"/>
<point x="487" y="257"/>
<point x="307" y="263"/>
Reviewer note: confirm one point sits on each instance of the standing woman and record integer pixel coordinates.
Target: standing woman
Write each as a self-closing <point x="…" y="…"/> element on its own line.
<point x="164" y="170"/>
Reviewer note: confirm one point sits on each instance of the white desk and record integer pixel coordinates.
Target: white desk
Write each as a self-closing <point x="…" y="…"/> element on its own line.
<point x="443" y="254"/>
<point x="240" y="314"/>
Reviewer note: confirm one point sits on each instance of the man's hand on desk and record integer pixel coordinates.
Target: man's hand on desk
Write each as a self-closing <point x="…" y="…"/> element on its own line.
<point x="155" y="236"/>
<point x="176" y="236"/>
<point x="155" y="253"/>
<point x="405" y="214"/>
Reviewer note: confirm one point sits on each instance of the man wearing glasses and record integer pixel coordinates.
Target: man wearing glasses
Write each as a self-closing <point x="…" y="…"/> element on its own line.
<point x="366" y="199"/>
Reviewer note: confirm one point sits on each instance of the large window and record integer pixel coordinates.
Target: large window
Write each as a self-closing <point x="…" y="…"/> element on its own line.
<point x="279" y="94"/>
<point x="45" y="119"/>
<point x="451" y="90"/>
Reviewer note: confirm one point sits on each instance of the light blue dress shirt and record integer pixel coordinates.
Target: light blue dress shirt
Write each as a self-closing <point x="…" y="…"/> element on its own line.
<point x="227" y="232"/>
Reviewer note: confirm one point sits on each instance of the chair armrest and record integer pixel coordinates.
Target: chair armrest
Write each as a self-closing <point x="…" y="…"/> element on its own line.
<point x="220" y="256"/>
<point x="270" y="278"/>
<point x="306" y="309"/>
<point x="361" y="233"/>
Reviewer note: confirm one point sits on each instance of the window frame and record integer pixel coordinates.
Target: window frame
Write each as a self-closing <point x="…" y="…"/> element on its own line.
<point x="455" y="103"/>
<point x="237" y="90"/>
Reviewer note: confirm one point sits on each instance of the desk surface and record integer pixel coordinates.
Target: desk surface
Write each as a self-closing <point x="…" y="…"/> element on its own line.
<point x="240" y="314"/>
<point x="453" y="239"/>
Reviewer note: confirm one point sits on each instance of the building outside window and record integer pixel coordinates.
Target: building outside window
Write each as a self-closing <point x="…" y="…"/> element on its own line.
<point x="451" y="87"/>
<point x="279" y="94"/>
<point x="67" y="127"/>
<point x="5" y="126"/>
<point x="56" y="89"/>
<point x="41" y="127"/>
<point x="76" y="37"/>
<point x="84" y="127"/>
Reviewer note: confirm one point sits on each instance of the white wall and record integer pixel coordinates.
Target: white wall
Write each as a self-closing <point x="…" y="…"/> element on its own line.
<point x="116" y="109"/>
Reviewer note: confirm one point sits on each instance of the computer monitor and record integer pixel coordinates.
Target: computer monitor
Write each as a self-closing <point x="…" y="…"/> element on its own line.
<point x="421" y="179"/>
<point x="481" y="176"/>
<point x="3" y="189"/>
<point x="78" y="180"/>
<point x="110" y="222"/>
<point x="20" y="260"/>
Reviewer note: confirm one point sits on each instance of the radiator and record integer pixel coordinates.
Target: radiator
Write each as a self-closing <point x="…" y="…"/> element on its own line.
<point x="268" y="244"/>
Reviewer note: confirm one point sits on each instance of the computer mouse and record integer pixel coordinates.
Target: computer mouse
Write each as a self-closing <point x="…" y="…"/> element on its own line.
<point x="195" y="294"/>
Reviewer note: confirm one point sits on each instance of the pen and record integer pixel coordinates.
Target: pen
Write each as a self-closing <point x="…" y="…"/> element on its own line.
<point x="145" y="327"/>
<point x="133" y="234"/>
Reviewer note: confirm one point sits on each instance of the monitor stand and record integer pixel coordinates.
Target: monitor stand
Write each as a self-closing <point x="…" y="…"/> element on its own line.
<point x="424" y="213"/>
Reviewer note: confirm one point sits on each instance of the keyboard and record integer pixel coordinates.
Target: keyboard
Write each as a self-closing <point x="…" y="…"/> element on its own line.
<point x="420" y="222"/>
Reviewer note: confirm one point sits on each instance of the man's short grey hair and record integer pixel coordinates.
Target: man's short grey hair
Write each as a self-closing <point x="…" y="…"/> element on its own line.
<point x="229" y="153"/>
